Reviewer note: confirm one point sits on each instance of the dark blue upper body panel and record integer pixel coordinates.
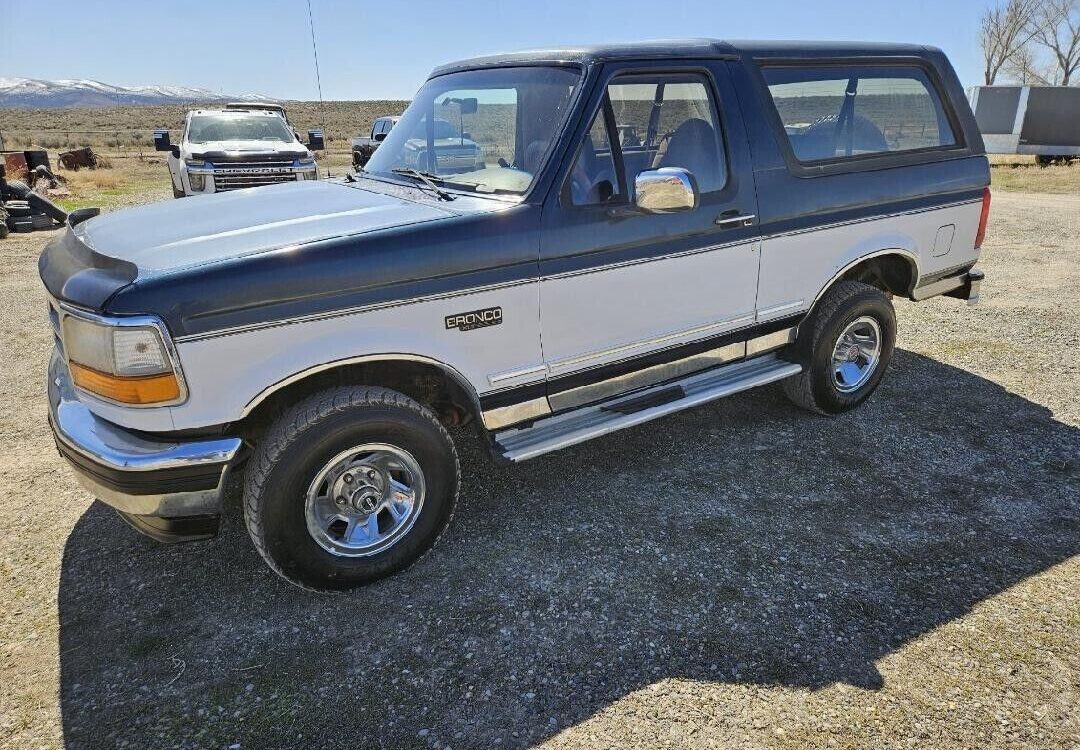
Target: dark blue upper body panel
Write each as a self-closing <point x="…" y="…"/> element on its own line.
<point x="677" y="50"/>
<point x="482" y="243"/>
<point x="258" y="256"/>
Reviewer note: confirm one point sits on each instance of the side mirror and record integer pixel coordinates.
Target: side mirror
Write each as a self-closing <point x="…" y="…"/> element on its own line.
<point x="316" y="141"/>
<point x="379" y="137"/>
<point x="666" y="190"/>
<point x="161" y="140"/>
<point x="469" y="106"/>
<point x="467" y="135"/>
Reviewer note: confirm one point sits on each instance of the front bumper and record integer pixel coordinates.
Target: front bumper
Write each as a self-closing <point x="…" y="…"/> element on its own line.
<point x="168" y="489"/>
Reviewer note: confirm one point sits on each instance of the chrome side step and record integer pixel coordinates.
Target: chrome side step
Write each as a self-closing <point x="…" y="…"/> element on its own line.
<point x="563" y="430"/>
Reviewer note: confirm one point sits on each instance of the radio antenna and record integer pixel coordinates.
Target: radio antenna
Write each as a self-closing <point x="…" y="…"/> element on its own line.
<point x="314" y="51"/>
<point x="318" y="76"/>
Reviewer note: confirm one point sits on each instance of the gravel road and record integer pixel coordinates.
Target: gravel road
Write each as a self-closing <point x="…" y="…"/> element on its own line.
<point x="740" y="575"/>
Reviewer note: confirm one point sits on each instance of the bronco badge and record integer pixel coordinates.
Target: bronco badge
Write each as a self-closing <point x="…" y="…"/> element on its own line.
<point x="468" y="321"/>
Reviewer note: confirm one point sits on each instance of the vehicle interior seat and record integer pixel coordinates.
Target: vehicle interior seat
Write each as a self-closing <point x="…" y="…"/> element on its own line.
<point x="693" y="146"/>
<point x="534" y="153"/>
<point x="827" y="139"/>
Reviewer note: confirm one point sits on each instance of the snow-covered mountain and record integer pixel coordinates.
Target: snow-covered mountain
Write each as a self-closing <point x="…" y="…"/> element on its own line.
<point x="31" y="92"/>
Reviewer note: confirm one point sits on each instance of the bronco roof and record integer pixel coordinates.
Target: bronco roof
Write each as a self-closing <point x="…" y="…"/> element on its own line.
<point x="691" y="49"/>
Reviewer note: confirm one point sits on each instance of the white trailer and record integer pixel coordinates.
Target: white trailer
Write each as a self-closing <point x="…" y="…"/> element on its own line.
<point x="1043" y="121"/>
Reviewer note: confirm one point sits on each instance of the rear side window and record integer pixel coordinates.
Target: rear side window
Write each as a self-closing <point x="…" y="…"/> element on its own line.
<point x="842" y="112"/>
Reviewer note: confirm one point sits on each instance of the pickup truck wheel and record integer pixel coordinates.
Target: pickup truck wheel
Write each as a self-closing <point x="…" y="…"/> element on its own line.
<point x="177" y="193"/>
<point x="349" y="486"/>
<point x="845" y="347"/>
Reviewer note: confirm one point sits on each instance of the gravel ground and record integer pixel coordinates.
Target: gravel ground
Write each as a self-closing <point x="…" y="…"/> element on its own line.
<point x="740" y="575"/>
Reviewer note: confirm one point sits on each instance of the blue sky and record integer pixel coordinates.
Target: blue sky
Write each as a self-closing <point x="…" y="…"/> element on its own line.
<point x="375" y="49"/>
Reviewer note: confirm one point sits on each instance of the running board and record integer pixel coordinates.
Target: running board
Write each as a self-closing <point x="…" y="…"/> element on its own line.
<point x="577" y="426"/>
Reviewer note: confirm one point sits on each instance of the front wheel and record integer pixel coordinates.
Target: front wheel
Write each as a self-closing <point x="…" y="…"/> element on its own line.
<point x="349" y="486"/>
<point x="844" y="347"/>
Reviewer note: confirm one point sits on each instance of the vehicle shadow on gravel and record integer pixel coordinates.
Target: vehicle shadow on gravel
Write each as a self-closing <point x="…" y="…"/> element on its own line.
<point x="744" y="541"/>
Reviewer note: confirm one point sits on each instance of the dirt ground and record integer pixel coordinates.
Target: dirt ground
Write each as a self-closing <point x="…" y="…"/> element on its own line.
<point x="740" y="575"/>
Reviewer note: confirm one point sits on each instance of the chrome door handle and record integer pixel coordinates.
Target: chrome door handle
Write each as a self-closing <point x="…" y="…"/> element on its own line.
<point x="731" y="220"/>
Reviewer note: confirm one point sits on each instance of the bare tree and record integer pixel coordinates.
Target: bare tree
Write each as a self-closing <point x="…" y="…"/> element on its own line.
<point x="1055" y="25"/>
<point x="1028" y="68"/>
<point x="1005" y="30"/>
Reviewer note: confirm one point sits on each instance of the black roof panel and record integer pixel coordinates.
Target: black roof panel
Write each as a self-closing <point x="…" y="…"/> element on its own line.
<point x="690" y="49"/>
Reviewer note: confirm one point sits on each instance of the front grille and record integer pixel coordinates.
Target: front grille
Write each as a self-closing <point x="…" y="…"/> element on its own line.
<point x="234" y="179"/>
<point x="456" y="161"/>
<point x="235" y="171"/>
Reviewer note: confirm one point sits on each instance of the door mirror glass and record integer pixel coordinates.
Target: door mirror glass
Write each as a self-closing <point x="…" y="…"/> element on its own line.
<point x="666" y="190"/>
<point x="161" y="140"/>
<point x="379" y="137"/>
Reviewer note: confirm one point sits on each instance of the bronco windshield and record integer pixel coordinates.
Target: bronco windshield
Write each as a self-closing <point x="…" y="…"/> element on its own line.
<point x="238" y="127"/>
<point x="486" y="131"/>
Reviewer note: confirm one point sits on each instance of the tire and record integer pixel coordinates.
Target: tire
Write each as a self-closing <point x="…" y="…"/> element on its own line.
<point x="290" y="465"/>
<point x="18" y="209"/>
<point x="849" y="306"/>
<point x="41" y="221"/>
<point x="177" y="193"/>
<point x="20" y="224"/>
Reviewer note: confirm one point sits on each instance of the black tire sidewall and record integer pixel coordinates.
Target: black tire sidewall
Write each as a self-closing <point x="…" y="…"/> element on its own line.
<point x="870" y="303"/>
<point x="283" y="503"/>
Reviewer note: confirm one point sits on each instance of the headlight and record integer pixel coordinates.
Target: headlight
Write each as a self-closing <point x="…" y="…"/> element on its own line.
<point x="128" y="364"/>
<point x="307" y="169"/>
<point x="197" y="181"/>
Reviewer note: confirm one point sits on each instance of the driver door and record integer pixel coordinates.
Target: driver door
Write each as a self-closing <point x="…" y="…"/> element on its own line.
<point x="629" y="298"/>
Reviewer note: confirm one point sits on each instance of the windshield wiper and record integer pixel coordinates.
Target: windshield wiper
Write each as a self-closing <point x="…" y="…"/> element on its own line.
<point x="426" y="178"/>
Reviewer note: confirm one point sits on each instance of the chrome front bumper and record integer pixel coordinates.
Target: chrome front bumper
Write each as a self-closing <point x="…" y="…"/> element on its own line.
<point x="169" y="489"/>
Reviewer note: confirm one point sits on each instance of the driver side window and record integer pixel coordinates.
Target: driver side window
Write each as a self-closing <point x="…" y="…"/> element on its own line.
<point x="661" y="121"/>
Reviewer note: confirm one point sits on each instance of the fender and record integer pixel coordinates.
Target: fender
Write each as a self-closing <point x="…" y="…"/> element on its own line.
<point x="449" y="371"/>
<point x="907" y="255"/>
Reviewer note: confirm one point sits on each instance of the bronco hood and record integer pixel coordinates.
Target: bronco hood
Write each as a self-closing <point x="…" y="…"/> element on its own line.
<point x="90" y="262"/>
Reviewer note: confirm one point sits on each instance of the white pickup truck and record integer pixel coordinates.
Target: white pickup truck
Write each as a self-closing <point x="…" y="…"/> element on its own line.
<point x="237" y="147"/>
<point x="364" y="146"/>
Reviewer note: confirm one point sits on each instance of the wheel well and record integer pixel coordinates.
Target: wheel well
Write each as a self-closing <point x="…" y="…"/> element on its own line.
<point x="429" y="384"/>
<point x="892" y="272"/>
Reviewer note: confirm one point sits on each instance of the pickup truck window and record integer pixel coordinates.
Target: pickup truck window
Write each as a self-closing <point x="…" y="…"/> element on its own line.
<point x="662" y="121"/>
<point x="238" y="127"/>
<point x="840" y="112"/>
<point x="487" y="131"/>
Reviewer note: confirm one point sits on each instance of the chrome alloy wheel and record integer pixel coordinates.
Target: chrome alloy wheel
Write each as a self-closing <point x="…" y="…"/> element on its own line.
<point x="364" y="500"/>
<point x="856" y="354"/>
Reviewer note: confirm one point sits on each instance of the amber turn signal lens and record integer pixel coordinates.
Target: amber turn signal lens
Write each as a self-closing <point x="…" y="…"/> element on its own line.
<point x="153" y="389"/>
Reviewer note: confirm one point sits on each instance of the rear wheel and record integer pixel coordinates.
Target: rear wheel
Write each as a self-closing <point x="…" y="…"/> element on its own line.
<point x="349" y="486"/>
<point x="845" y="347"/>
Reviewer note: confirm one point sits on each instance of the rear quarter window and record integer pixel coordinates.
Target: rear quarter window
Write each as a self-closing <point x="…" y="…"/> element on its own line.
<point x="835" y="113"/>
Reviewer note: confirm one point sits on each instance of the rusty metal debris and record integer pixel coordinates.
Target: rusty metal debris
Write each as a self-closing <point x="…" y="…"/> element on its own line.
<point x="82" y="158"/>
<point x="21" y="208"/>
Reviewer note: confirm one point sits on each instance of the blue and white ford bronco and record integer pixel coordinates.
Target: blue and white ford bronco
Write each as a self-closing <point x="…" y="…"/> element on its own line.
<point x="646" y="228"/>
